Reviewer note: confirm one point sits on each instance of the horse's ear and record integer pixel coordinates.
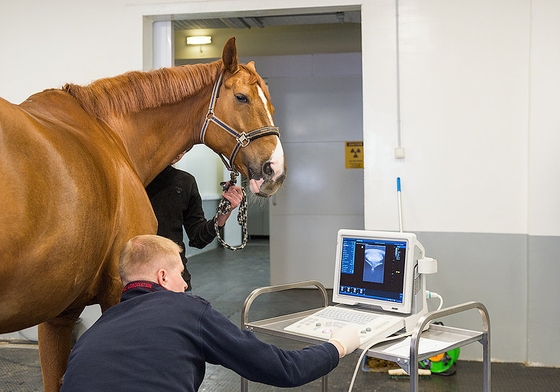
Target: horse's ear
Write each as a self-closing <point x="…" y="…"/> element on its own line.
<point x="251" y="66"/>
<point x="229" y="56"/>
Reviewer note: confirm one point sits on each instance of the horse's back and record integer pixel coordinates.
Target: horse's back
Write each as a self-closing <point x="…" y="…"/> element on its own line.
<point x="67" y="190"/>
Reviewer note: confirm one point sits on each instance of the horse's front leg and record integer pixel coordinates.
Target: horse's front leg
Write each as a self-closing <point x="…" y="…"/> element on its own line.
<point x="55" y="340"/>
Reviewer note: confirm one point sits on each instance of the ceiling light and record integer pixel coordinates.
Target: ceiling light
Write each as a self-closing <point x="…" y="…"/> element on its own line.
<point x="199" y="40"/>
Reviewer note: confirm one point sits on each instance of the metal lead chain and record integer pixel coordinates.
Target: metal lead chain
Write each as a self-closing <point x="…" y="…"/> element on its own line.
<point x="225" y="207"/>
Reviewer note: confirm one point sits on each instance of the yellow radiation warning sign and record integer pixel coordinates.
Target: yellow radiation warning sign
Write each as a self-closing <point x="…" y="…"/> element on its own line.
<point x="354" y="155"/>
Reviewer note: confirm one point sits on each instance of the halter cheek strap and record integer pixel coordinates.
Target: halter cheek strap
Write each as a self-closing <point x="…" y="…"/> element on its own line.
<point x="243" y="139"/>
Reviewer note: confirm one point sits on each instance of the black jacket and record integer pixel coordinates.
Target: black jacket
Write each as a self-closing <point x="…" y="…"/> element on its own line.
<point x="177" y="204"/>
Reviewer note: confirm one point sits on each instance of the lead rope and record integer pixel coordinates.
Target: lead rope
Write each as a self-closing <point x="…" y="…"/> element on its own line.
<point x="225" y="207"/>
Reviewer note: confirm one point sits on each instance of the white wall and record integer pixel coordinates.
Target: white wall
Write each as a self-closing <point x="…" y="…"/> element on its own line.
<point x="479" y="129"/>
<point x="544" y="120"/>
<point x="47" y="44"/>
<point x="479" y="90"/>
<point x="465" y="77"/>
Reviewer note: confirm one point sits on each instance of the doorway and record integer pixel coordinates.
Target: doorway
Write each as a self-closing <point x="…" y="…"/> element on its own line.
<point x="314" y="72"/>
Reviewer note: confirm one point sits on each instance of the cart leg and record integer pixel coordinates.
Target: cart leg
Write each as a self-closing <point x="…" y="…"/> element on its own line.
<point x="487" y="364"/>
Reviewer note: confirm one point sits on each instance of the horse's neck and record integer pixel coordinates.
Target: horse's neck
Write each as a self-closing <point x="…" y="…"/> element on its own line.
<point x="154" y="137"/>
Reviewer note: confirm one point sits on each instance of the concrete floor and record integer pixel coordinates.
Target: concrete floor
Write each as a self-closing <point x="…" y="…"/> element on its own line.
<point x="225" y="278"/>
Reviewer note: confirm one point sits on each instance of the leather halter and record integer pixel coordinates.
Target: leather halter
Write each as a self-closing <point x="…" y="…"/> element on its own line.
<point x="243" y="139"/>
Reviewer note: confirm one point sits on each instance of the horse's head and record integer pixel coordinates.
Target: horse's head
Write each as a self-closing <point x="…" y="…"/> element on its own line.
<point x="239" y="125"/>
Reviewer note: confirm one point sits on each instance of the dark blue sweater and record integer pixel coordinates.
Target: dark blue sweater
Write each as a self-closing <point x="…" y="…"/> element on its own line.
<point x="159" y="340"/>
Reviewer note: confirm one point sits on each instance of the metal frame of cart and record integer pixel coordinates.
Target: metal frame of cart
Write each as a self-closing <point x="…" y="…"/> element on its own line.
<point x="452" y="337"/>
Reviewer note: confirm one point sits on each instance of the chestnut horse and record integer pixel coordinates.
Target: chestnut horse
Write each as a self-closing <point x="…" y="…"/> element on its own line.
<point x="75" y="162"/>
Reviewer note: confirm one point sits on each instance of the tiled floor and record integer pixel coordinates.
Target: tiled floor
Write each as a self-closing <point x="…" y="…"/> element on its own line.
<point x="225" y="278"/>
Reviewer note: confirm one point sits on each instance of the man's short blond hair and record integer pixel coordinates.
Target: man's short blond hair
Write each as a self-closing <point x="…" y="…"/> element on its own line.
<point x="143" y="255"/>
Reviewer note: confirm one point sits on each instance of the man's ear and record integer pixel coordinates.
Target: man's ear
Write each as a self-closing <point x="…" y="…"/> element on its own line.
<point x="162" y="277"/>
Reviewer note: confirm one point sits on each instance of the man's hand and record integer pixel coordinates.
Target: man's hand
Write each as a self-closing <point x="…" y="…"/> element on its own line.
<point x="234" y="195"/>
<point x="345" y="339"/>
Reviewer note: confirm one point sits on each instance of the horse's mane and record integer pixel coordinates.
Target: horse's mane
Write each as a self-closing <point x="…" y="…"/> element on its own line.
<point x="136" y="91"/>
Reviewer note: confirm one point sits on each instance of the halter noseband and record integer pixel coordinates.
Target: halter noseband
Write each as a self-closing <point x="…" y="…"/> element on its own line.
<point x="243" y="139"/>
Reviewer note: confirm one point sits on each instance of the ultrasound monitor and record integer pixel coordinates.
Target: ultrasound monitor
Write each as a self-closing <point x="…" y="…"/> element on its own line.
<point x="375" y="269"/>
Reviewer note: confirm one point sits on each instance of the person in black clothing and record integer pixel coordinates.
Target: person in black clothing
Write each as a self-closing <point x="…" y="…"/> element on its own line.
<point x="177" y="203"/>
<point x="159" y="338"/>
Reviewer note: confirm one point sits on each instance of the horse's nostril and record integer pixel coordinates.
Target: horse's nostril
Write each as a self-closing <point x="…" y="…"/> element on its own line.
<point x="267" y="169"/>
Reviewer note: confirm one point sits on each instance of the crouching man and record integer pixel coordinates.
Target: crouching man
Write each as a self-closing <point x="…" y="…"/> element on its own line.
<point x="159" y="338"/>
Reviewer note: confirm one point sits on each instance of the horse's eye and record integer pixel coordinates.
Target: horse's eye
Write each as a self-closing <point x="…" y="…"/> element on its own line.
<point x="241" y="98"/>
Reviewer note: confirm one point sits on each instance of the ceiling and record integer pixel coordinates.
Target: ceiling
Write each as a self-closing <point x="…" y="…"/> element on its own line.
<point x="291" y="33"/>
<point x="248" y="22"/>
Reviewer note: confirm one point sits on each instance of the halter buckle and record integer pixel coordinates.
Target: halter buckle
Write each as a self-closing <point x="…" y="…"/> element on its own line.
<point x="243" y="139"/>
